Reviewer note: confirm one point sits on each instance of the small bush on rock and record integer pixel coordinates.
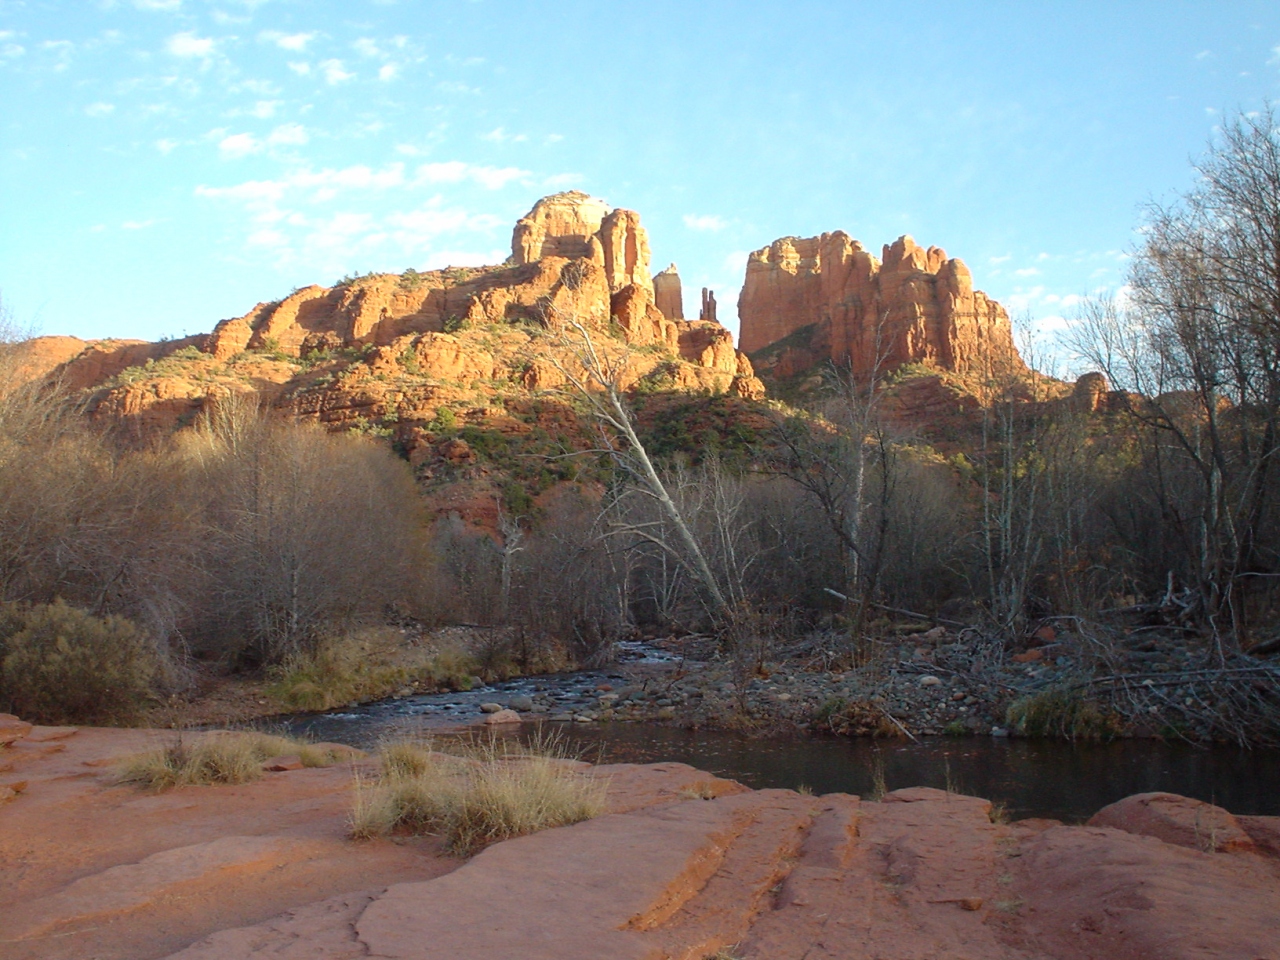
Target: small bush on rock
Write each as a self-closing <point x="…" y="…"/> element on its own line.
<point x="64" y="665"/>
<point x="497" y="792"/>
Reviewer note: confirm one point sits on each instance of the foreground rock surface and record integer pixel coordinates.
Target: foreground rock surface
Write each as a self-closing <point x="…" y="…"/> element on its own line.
<point x="683" y="865"/>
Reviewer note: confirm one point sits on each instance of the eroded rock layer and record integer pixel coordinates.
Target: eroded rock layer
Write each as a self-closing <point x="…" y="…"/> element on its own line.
<point x="808" y="300"/>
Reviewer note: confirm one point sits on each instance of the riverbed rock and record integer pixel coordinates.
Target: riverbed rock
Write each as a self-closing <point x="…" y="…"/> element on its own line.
<point x="490" y="707"/>
<point x="1265" y="833"/>
<point x="12" y="729"/>
<point x="522" y="703"/>
<point x="1177" y="820"/>
<point x="502" y="716"/>
<point x="681" y="864"/>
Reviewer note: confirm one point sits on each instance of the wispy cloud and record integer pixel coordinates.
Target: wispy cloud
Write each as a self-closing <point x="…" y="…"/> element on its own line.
<point x="705" y="223"/>
<point x="100" y="109"/>
<point x="238" y="145"/>
<point x="187" y="44"/>
<point x="500" y="135"/>
<point x="163" y="6"/>
<point x="288" y="134"/>
<point x="295" y="42"/>
<point x="455" y="171"/>
<point x="334" y="72"/>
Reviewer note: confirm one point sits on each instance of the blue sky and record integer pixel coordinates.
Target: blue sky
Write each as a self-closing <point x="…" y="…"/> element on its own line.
<point x="168" y="163"/>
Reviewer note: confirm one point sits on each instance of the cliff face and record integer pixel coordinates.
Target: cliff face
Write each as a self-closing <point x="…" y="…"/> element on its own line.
<point x="837" y="301"/>
<point x="402" y="346"/>
<point x="571" y="258"/>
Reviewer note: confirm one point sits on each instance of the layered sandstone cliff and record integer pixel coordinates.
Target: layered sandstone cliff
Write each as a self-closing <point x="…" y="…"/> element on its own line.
<point x="827" y="298"/>
<point x="402" y="346"/>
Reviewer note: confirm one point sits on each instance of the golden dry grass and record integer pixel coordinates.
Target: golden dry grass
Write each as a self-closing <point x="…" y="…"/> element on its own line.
<point x="221" y="757"/>
<point x="494" y="791"/>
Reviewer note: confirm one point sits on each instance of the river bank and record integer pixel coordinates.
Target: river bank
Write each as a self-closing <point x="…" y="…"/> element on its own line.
<point x="682" y="865"/>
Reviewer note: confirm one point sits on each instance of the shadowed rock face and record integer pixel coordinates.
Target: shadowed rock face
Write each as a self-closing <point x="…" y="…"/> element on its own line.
<point x="913" y="305"/>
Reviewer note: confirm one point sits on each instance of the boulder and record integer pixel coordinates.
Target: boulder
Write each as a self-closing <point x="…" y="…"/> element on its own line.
<point x="503" y="716"/>
<point x="1182" y="821"/>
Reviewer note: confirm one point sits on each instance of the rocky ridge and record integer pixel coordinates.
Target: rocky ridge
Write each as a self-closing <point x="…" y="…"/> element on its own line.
<point x="827" y="298"/>
<point x="399" y="347"/>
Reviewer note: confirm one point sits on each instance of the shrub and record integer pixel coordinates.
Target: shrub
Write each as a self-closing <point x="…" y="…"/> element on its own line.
<point x="1062" y="712"/>
<point x="338" y="671"/>
<point x="226" y="757"/>
<point x="64" y="665"/>
<point x="500" y="791"/>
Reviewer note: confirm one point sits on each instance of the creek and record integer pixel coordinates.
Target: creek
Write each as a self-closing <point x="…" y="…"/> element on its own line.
<point x="1031" y="778"/>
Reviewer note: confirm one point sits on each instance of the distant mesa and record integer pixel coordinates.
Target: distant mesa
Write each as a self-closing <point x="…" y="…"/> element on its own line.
<point x="573" y="259"/>
<point x="822" y="298"/>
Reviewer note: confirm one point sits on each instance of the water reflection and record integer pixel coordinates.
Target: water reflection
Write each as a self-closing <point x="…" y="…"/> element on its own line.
<point x="1032" y="778"/>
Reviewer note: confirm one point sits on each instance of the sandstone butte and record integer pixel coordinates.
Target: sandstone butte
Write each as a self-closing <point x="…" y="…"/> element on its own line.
<point x="681" y="866"/>
<point x="827" y="298"/>
<point x="402" y="346"/>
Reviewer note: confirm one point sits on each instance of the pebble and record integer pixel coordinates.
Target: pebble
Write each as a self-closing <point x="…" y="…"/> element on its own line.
<point x="930" y="681"/>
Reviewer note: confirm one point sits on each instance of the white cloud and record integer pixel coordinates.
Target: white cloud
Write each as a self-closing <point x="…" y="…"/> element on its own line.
<point x="1204" y="54"/>
<point x="300" y="68"/>
<point x="553" y="138"/>
<point x="706" y="223"/>
<point x="265" y="109"/>
<point x="139" y="224"/>
<point x="736" y="261"/>
<point x="1027" y="272"/>
<point x="455" y="171"/>
<point x="167" y="6"/>
<point x="288" y="134"/>
<point x="12" y="50"/>
<point x="996" y="261"/>
<point x="296" y="42"/>
<point x="453" y="86"/>
<point x="366" y="47"/>
<point x="500" y="135"/>
<point x="187" y="44"/>
<point x="334" y="72"/>
<point x="238" y="145"/>
<point x="388" y="71"/>
<point x="99" y="109"/>
<point x="166" y="146"/>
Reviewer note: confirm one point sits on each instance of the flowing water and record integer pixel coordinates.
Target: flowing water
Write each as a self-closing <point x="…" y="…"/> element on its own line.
<point x="1032" y="778"/>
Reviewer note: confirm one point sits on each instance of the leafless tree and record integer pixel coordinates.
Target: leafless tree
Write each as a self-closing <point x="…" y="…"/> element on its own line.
<point x="1199" y="340"/>
<point x="598" y="380"/>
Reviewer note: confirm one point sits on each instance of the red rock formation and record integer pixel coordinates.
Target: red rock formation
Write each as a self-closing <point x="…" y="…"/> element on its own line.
<point x="708" y="311"/>
<point x="914" y="306"/>
<point x="667" y="294"/>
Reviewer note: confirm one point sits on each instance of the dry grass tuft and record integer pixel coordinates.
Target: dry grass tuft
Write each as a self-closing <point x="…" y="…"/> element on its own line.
<point x="497" y="789"/>
<point x="224" y="757"/>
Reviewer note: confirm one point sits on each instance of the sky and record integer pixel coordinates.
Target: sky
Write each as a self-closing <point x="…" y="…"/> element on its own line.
<point x="165" y="164"/>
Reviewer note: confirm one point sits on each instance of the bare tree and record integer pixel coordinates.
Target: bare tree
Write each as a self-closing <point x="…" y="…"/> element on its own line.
<point x="1199" y="340"/>
<point x="598" y="380"/>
